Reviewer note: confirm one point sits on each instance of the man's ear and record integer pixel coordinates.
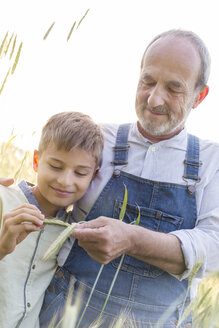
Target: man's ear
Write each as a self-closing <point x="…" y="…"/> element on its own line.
<point x="35" y="160"/>
<point x="201" y="96"/>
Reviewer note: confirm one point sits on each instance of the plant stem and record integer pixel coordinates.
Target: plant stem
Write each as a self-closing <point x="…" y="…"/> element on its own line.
<point x="91" y="293"/>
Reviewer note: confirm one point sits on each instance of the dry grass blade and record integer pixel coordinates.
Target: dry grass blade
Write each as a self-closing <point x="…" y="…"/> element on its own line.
<point x="71" y="30"/>
<point x="17" y="58"/>
<point x="5" y="79"/>
<point x="80" y="21"/>
<point x="56" y="245"/>
<point x="19" y="171"/>
<point x="8" y="45"/>
<point x="3" y="43"/>
<point x="49" y="30"/>
<point x="13" y="46"/>
<point x="9" y="142"/>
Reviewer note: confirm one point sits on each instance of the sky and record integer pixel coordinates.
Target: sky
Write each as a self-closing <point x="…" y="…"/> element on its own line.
<point x="96" y="71"/>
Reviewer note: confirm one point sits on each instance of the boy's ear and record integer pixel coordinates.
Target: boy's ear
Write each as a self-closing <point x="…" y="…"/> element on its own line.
<point x="35" y="160"/>
<point x="203" y="93"/>
<point x="95" y="172"/>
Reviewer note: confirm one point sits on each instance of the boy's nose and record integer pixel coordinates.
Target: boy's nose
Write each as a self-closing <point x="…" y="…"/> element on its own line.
<point x="66" y="179"/>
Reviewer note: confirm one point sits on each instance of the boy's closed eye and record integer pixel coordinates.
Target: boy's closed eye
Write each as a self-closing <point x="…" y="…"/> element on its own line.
<point x="55" y="167"/>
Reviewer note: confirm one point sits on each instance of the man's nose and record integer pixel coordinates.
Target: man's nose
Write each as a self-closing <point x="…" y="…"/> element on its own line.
<point x="156" y="97"/>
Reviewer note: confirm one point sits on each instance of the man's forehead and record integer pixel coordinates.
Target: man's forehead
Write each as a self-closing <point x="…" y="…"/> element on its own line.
<point x="179" y="46"/>
<point x="176" y="54"/>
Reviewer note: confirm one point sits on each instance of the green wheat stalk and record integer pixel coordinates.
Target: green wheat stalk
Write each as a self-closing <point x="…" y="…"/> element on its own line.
<point x="136" y="222"/>
<point x="17" y="58"/>
<point x="80" y="21"/>
<point x="121" y="217"/>
<point x="56" y="222"/>
<point x="49" y="30"/>
<point x="90" y="295"/>
<point x="58" y="242"/>
<point x="71" y="30"/>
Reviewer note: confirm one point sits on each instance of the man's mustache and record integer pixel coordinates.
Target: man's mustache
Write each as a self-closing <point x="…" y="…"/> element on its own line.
<point x="155" y="110"/>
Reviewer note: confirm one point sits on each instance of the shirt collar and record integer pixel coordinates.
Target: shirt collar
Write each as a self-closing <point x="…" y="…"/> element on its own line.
<point x="179" y="141"/>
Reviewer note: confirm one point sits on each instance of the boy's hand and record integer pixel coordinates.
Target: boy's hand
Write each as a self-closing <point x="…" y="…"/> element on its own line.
<point x="17" y="224"/>
<point x="6" y="181"/>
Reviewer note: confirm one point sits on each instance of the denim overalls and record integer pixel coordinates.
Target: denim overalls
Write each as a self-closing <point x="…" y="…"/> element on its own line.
<point x="146" y="294"/>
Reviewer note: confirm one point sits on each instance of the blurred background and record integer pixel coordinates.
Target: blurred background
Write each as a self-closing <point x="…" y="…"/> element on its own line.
<point x="96" y="70"/>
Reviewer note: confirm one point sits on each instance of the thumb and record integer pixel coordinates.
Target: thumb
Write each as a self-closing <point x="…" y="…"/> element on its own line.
<point x="6" y="181"/>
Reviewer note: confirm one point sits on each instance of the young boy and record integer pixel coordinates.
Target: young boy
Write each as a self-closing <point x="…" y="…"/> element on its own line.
<point x="68" y="158"/>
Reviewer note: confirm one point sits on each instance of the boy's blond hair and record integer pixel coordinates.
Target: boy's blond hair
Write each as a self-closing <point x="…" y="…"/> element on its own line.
<point x="70" y="130"/>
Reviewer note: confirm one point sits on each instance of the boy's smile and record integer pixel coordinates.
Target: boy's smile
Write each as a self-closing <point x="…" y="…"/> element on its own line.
<point x="63" y="177"/>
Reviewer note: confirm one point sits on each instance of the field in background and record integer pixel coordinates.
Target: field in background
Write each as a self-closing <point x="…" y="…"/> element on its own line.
<point x="16" y="163"/>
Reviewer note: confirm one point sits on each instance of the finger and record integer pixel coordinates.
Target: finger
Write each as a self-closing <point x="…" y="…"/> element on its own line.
<point x="89" y="234"/>
<point x="6" y="181"/>
<point x="27" y="206"/>
<point x="24" y="209"/>
<point x="93" y="224"/>
<point x="17" y="230"/>
<point x="21" y="218"/>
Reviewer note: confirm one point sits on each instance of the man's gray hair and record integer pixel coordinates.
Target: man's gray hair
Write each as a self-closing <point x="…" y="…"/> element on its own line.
<point x="200" y="46"/>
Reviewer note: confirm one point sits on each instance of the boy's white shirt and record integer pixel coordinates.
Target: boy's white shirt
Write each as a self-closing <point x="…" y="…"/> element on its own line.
<point x="24" y="277"/>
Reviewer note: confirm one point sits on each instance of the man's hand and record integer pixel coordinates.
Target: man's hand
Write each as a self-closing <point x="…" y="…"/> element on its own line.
<point x="6" y="181"/>
<point x="103" y="239"/>
<point x="17" y="224"/>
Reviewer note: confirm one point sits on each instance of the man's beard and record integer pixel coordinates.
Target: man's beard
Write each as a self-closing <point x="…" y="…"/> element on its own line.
<point x="152" y="127"/>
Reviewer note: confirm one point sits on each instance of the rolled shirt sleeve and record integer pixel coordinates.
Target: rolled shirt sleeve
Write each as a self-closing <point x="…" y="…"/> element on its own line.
<point x="201" y="244"/>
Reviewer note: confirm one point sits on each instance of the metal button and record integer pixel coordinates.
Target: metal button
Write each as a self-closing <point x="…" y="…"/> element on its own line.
<point x="116" y="173"/>
<point x="191" y="189"/>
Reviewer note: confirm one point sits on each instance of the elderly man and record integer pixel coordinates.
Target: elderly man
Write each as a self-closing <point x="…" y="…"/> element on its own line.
<point x="171" y="176"/>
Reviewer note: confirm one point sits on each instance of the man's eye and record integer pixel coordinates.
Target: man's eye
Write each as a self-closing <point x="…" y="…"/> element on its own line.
<point x="174" y="91"/>
<point x="148" y="83"/>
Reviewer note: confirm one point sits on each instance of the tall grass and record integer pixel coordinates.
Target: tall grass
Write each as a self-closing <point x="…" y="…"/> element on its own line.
<point x="15" y="162"/>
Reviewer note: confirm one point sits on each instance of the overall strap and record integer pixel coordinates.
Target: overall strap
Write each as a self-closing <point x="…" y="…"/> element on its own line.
<point x="192" y="162"/>
<point x="121" y="147"/>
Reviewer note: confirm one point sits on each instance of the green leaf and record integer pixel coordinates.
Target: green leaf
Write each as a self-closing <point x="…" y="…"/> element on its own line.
<point x="124" y="204"/>
<point x="137" y="221"/>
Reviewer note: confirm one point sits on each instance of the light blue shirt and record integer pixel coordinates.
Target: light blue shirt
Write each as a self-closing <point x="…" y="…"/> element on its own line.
<point x="163" y="161"/>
